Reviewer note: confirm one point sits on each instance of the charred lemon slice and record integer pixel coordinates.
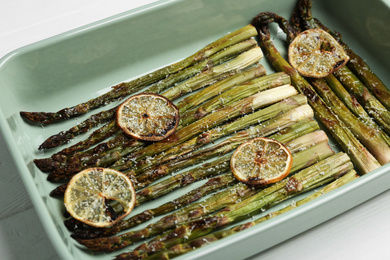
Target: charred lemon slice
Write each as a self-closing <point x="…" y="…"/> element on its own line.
<point x="90" y="192"/>
<point x="261" y="161"/>
<point x="148" y="117"/>
<point x="315" y="53"/>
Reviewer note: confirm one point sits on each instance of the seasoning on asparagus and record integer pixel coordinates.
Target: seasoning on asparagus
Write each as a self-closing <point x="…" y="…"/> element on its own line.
<point x="304" y="134"/>
<point x="302" y="127"/>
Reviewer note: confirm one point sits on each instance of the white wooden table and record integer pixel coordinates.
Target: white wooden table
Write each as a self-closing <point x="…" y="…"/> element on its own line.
<point x="361" y="233"/>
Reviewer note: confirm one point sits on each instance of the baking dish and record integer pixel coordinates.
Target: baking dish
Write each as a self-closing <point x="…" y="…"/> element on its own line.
<point x="81" y="64"/>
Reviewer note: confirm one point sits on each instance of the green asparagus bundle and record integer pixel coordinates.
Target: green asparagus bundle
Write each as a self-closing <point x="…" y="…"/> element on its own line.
<point x="214" y="134"/>
<point x="127" y="88"/>
<point x="360" y="156"/>
<point x="349" y="80"/>
<point x="312" y="177"/>
<point x="356" y="64"/>
<point x="239" y="191"/>
<point x="241" y="107"/>
<point x="206" y="170"/>
<point x="104" y="116"/>
<point x="103" y="157"/>
<point x="242" y="61"/>
<point x="181" y="249"/>
<point x="305" y="151"/>
<point x="370" y="135"/>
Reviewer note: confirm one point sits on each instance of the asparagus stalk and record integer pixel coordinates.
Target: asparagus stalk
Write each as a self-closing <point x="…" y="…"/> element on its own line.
<point x="295" y="19"/>
<point x="64" y="137"/>
<point x="198" y="69"/>
<point x="95" y="137"/>
<point x="360" y="156"/>
<point x="181" y="249"/>
<point x="124" y="89"/>
<point x="361" y="69"/>
<point x="68" y="156"/>
<point x="356" y="64"/>
<point x="310" y="178"/>
<point x="221" y="131"/>
<point x="269" y="127"/>
<point x="238" y="191"/>
<point x="227" y="113"/>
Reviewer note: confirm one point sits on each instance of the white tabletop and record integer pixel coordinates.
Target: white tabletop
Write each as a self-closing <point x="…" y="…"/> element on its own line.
<point x="360" y="233"/>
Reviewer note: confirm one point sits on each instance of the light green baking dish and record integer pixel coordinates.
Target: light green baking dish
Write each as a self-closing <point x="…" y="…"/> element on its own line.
<point x="83" y="63"/>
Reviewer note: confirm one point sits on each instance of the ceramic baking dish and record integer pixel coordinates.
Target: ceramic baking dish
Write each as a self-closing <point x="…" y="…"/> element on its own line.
<point x="83" y="63"/>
